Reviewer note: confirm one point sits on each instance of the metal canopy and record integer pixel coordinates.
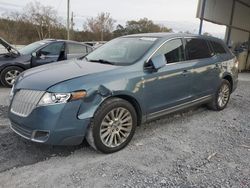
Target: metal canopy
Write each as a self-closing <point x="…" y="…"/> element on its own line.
<point x="232" y="13"/>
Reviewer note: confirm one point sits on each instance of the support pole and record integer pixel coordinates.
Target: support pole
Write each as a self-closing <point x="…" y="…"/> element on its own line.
<point x="202" y="16"/>
<point x="248" y="52"/>
<point x="230" y="24"/>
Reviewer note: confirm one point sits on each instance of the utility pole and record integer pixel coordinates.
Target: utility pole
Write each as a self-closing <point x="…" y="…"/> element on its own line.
<point x="68" y="3"/>
<point x="72" y="25"/>
<point x="72" y="21"/>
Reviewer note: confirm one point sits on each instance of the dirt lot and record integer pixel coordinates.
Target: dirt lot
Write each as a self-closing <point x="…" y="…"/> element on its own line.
<point x="195" y="148"/>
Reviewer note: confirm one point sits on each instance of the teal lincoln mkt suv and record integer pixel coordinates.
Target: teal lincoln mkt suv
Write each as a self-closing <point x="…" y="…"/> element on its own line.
<point x="127" y="81"/>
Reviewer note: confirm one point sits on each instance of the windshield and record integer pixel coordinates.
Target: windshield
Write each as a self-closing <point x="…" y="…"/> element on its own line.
<point x="3" y="50"/>
<point x="31" y="47"/>
<point x="122" y="51"/>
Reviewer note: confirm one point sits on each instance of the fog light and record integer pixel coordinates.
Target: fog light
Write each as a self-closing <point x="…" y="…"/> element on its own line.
<point x="40" y="136"/>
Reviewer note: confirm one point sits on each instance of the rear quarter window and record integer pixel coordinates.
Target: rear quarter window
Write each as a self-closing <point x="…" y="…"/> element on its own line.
<point x="76" y="48"/>
<point x="218" y="48"/>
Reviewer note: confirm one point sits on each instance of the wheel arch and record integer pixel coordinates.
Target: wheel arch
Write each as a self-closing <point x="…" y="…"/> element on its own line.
<point x="229" y="78"/>
<point x="12" y="65"/>
<point x="134" y="103"/>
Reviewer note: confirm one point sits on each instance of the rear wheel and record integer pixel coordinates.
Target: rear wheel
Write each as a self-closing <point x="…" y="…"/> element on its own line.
<point x="112" y="126"/>
<point x="9" y="75"/>
<point x="221" y="97"/>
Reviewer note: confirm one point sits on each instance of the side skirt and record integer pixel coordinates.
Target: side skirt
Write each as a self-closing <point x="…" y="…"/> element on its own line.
<point x="164" y="112"/>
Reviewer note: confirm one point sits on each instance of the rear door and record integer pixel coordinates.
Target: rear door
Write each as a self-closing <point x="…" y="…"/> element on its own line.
<point x="170" y="85"/>
<point x="205" y="70"/>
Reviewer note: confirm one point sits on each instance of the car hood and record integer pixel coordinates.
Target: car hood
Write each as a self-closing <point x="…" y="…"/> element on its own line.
<point x="43" y="77"/>
<point x="8" y="46"/>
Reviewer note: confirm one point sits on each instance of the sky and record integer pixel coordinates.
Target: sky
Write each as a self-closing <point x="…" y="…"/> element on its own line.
<point x="180" y="15"/>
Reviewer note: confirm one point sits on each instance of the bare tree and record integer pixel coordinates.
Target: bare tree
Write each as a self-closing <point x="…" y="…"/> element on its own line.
<point x="100" y="25"/>
<point x="43" y="18"/>
<point x="14" y="25"/>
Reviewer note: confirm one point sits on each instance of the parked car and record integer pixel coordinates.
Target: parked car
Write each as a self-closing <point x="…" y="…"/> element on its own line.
<point x="128" y="81"/>
<point x="14" y="61"/>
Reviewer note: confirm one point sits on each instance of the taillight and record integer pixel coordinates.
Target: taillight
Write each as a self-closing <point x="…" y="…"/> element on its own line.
<point x="236" y="64"/>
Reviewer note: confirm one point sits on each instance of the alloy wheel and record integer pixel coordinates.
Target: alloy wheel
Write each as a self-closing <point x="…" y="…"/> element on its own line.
<point x="11" y="76"/>
<point x="224" y="95"/>
<point x="116" y="127"/>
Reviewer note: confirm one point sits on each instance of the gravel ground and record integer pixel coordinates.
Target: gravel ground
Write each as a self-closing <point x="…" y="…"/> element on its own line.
<point x="194" y="148"/>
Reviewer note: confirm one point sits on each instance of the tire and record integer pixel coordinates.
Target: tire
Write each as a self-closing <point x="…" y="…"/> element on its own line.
<point x="115" y="117"/>
<point x="219" y="101"/>
<point x="9" y="74"/>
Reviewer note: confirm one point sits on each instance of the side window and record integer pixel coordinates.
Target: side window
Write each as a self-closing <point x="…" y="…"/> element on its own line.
<point x="89" y="49"/>
<point x="197" y="49"/>
<point x="77" y="48"/>
<point x="173" y="51"/>
<point x="218" y="48"/>
<point x="52" y="49"/>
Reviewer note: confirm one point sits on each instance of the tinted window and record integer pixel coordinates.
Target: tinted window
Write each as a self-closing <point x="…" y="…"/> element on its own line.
<point x="77" y="49"/>
<point x="218" y="48"/>
<point x="197" y="49"/>
<point x="52" y="49"/>
<point x="173" y="51"/>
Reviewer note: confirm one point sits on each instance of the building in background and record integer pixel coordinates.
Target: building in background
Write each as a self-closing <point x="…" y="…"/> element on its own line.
<point x="235" y="15"/>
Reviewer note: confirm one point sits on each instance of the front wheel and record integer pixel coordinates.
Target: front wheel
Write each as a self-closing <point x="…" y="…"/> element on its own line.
<point x="9" y="75"/>
<point x="112" y="126"/>
<point x="221" y="97"/>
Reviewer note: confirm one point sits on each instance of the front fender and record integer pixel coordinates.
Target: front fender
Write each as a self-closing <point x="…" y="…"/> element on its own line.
<point x="90" y="104"/>
<point x="96" y="97"/>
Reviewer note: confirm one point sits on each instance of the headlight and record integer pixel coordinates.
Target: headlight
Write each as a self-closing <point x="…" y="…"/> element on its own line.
<point x="59" y="98"/>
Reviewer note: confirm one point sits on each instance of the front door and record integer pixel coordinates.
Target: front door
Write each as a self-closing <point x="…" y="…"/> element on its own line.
<point x="170" y="85"/>
<point x="49" y="54"/>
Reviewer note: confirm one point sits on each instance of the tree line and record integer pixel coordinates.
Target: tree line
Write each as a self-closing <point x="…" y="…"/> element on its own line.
<point x="37" y="22"/>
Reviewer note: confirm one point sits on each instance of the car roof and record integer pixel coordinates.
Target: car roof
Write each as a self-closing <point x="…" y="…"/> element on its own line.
<point x="172" y="35"/>
<point x="61" y="40"/>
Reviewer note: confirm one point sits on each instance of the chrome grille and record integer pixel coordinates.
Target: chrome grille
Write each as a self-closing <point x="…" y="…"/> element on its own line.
<point x="25" y="101"/>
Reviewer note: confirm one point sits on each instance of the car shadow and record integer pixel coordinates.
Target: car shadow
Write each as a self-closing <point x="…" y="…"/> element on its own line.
<point x="16" y="151"/>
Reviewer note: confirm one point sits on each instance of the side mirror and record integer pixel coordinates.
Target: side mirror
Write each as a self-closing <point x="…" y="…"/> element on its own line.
<point x="34" y="54"/>
<point x="158" y="61"/>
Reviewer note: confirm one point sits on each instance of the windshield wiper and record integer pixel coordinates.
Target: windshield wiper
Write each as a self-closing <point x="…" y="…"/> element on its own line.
<point x="83" y="57"/>
<point x="103" y="61"/>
